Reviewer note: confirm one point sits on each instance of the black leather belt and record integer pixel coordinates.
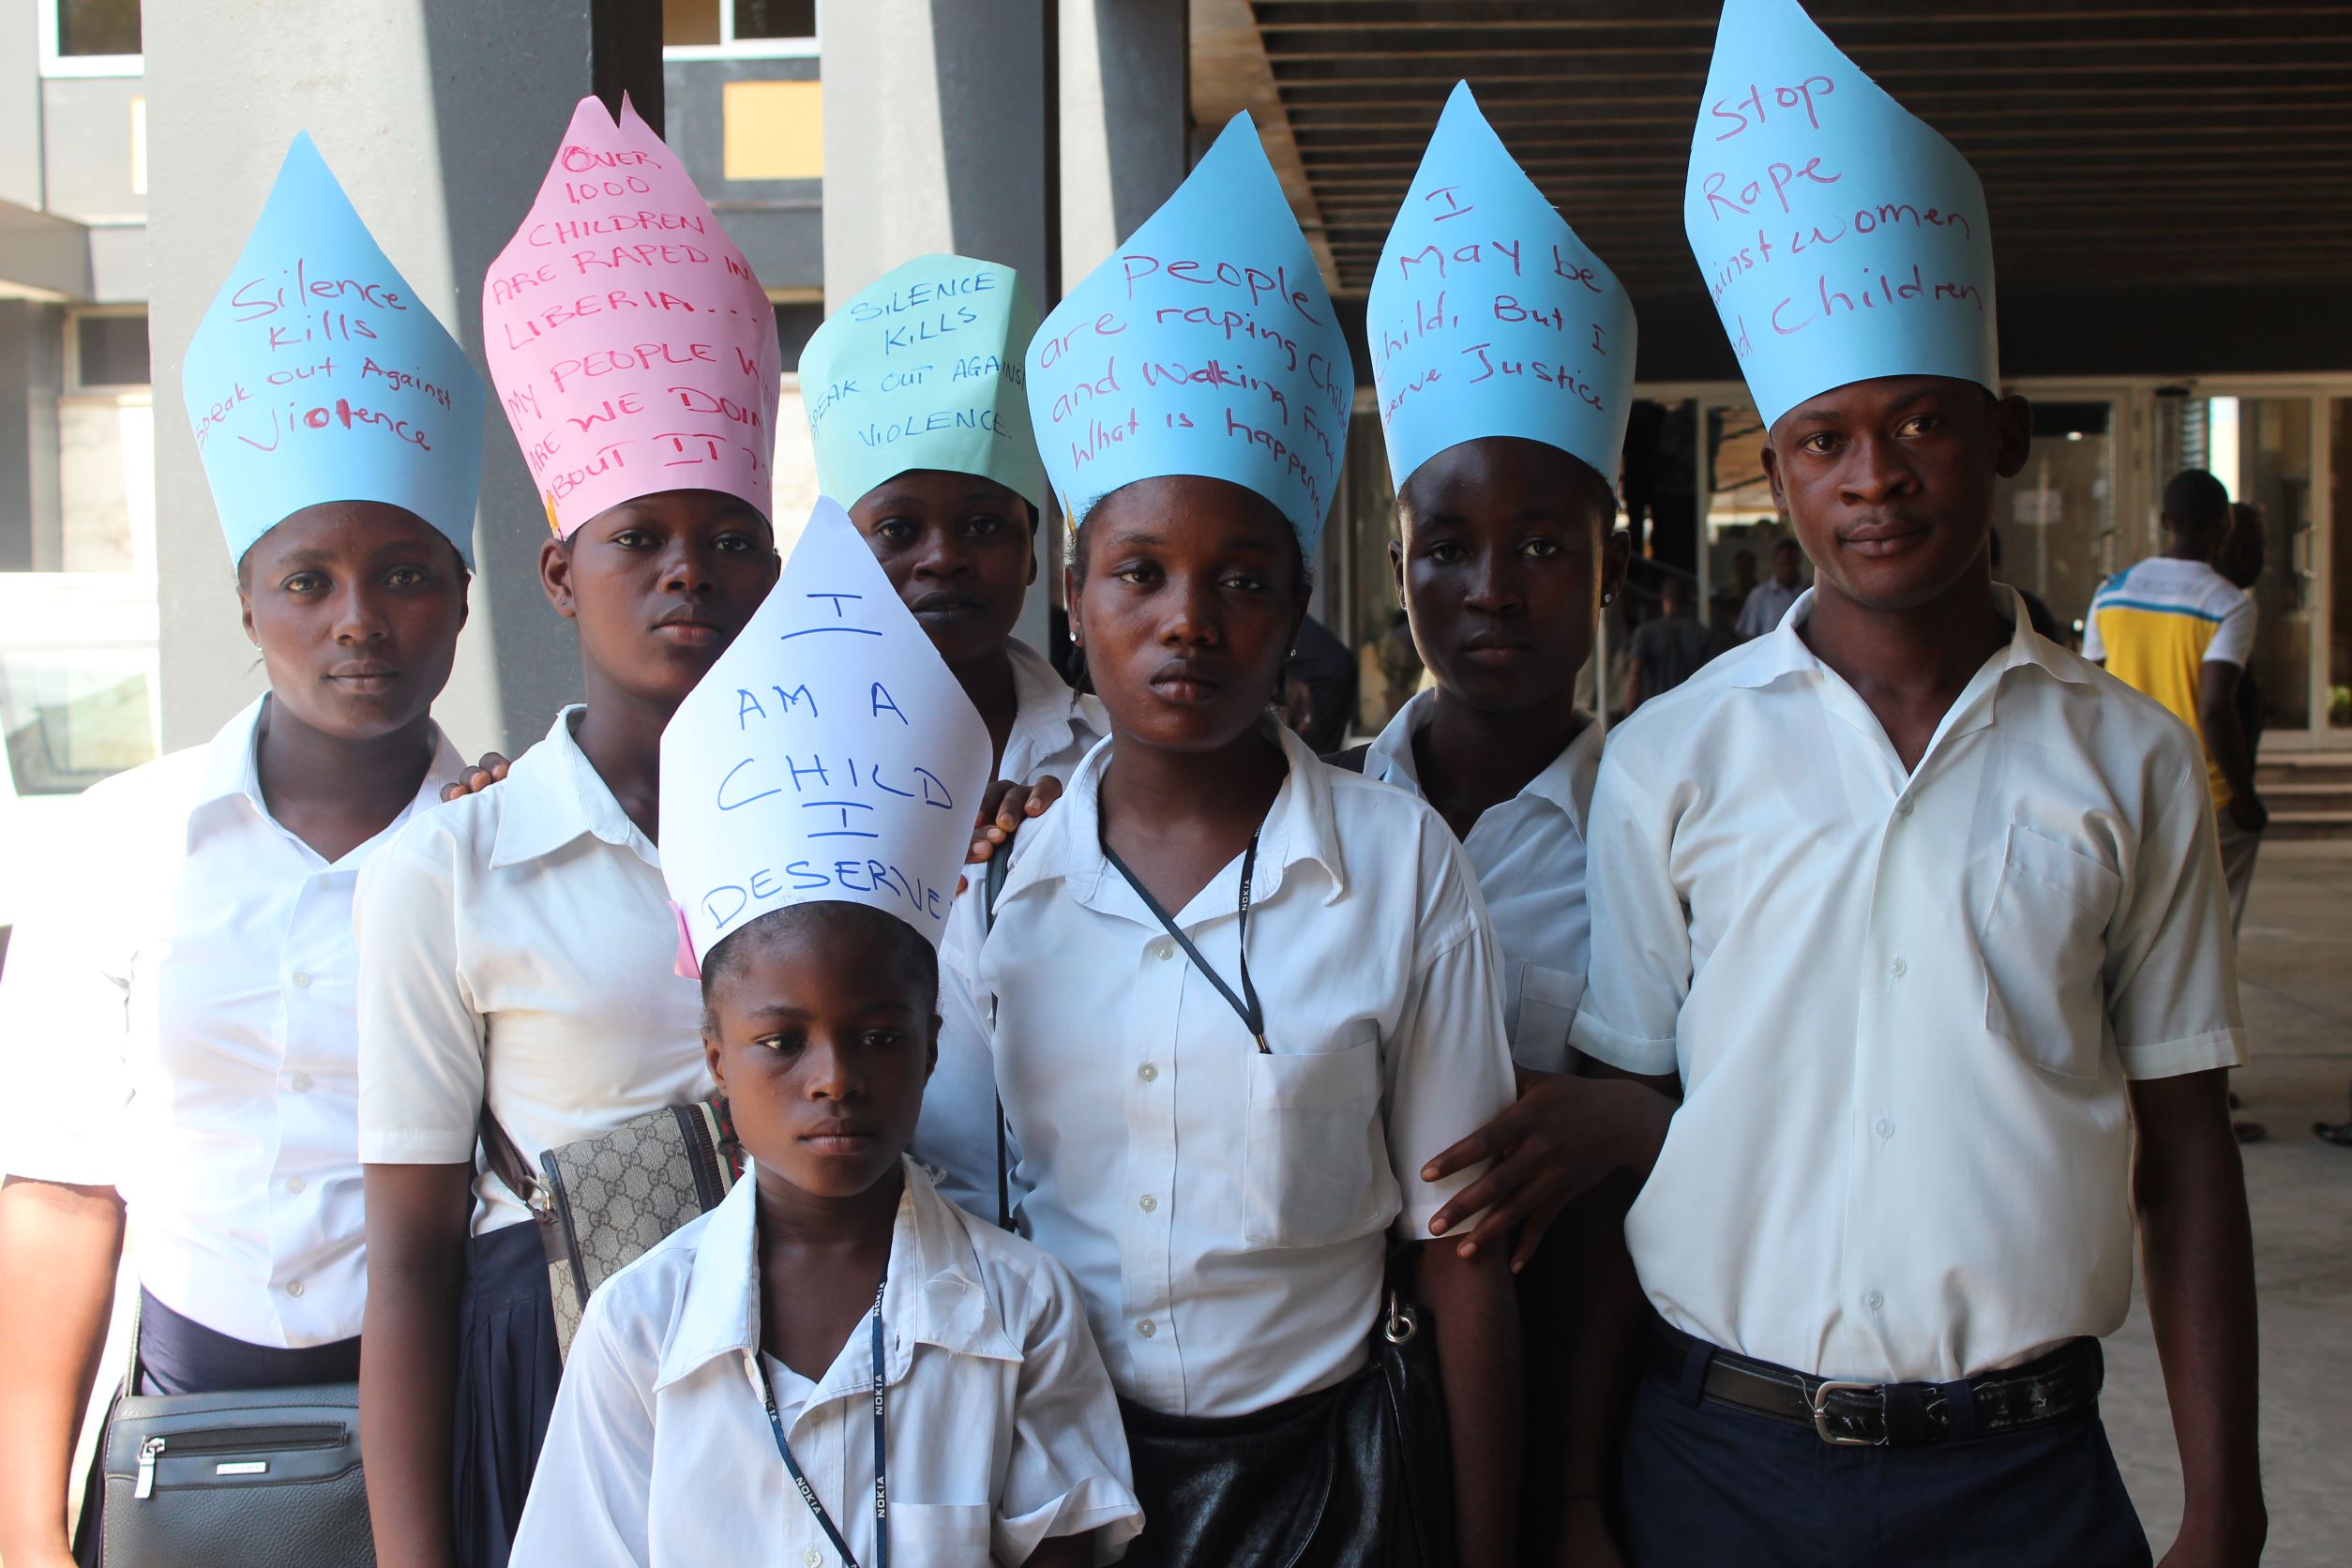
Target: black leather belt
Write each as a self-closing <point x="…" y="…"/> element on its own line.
<point x="1886" y="1415"/>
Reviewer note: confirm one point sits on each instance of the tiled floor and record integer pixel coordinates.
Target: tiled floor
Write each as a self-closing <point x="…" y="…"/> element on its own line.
<point x="2297" y="988"/>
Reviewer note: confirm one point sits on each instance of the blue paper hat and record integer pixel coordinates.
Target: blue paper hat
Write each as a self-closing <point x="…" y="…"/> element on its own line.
<point x="1488" y="316"/>
<point x="1206" y="345"/>
<point x="1841" y="237"/>
<point x="317" y="375"/>
<point x="921" y="369"/>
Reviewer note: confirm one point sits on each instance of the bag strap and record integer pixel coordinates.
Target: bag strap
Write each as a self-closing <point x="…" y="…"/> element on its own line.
<point x="992" y="885"/>
<point x="506" y="1160"/>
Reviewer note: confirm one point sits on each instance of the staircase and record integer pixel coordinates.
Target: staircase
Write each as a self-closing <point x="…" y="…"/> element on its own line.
<point x="2309" y="794"/>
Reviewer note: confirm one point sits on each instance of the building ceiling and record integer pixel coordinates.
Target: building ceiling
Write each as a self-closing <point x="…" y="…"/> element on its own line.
<point x="2119" y="142"/>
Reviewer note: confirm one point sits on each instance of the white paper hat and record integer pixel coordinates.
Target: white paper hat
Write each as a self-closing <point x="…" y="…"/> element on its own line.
<point x="828" y="755"/>
<point x="1841" y="237"/>
<point x="633" y="349"/>
<point x="1488" y="316"/>
<point x="1205" y="345"/>
<point x="921" y="369"/>
<point x="317" y="375"/>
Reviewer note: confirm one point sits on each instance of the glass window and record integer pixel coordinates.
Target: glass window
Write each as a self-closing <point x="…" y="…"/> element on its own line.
<point x="2340" y="565"/>
<point x="719" y="27"/>
<point x="110" y="351"/>
<point x="75" y="715"/>
<point x="88" y="27"/>
<point x="2054" y="522"/>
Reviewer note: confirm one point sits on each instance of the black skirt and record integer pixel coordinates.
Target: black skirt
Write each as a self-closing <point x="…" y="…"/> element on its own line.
<point x="508" y="1370"/>
<point x="179" y="1355"/>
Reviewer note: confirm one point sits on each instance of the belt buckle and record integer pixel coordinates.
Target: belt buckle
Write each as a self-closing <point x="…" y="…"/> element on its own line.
<point x="1820" y="1401"/>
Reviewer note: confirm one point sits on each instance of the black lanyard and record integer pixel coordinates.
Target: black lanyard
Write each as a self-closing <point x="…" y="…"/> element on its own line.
<point x="809" y="1493"/>
<point x="1252" y="1016"/>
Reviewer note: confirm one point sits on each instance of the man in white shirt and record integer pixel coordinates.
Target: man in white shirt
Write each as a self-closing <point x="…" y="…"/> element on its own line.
<point x="1769" y="599"/>
<point x="1923" y="918"/>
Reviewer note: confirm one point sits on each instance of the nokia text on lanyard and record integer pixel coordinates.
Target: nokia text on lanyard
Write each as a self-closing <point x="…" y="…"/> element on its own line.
<point x="807" y="1493"/>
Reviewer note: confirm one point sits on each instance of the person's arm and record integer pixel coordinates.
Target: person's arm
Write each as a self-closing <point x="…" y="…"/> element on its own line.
<point x="68" y="1239"/>
<point x="1633" y="682"/>
<point x="1602" y="1326"/>
<point x="416" y="1233"/>
<point x="422" y="1077"/>
<point x="2225" y="739"/>
<point x="2189" y="1190"/>
<point x="1475" y="1316"/>
<point x="1063" y="1551"/>
<point x="1067" y="1486"/>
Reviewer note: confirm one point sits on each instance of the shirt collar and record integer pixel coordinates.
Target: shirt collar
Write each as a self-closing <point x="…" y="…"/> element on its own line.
<point x="1565" y="783"/>
<point x="554" y="795"/>
<point x="932" y="1296"/>
<point x="1783" y="651"/>
<point x="232" y="772"/>
<point x="1047" y="715"/>
<point x="1299" y="829"/>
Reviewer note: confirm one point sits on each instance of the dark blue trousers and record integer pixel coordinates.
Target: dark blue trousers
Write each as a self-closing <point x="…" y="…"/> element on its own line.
<point x="1711" y="1486"/>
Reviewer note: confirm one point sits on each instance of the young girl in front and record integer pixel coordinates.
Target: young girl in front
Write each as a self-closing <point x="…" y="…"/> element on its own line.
<point x="512" y="971"/>
<point x="1507" y="549"/>
<point x="1238" y="998"/>
<point x="938" y="470"/>
<point x="835" y="1365"/>
<point x="180" y="1013"/>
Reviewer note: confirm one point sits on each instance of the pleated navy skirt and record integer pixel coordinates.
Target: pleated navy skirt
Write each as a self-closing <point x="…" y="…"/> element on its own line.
<point x="507" y="1369"/>
<point x="179" y="1355"/>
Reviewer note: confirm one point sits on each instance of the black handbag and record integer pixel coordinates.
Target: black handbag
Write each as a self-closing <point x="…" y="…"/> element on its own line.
<point x="1359" y="1475"/>
<point x="263" y="1478"/>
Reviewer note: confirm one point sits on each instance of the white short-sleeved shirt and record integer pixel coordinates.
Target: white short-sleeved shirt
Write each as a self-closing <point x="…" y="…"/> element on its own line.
<point x="524" y="933"/>
<point x="1000" y="1426"/>
<point x="1767" y="606"/>
<point x="1903" y="1009"/>
<point x="1227" y="1213"/>
<point x="1053" y="729"/>
<point x="1528" y="853"/>
<point x="180" y="1022"/>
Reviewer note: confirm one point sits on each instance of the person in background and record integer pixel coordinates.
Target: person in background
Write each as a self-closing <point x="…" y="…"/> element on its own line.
<point x="516" y="947"/>
<point x="1237" y="999"/>
<point x="2241" y="556"/>
<point x="1728" y="599"/>
<point x="1922" y="914"/>
<point x="1669" y="648"/>
<point x="950" y="509"/>
<point x="1321" y="664"/>
<point x="2036" y="612"/>
<point x="179" y="1019"/>
<point x="1769" y="599"/>
<point x="1508" y="549"/>
<point x="2176" y="628"/>
<point x="835" y="1356"/>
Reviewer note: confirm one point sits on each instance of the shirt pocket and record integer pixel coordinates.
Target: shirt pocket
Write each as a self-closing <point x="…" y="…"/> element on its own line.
<point x="1313" y="1161"/>
<point x="2044" y="948"/>
<point x="938" y="1535"/>
<point x="1547" y="1006"/>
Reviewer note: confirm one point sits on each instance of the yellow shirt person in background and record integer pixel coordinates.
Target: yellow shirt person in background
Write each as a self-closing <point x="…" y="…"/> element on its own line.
<point x="2177" y="629"/>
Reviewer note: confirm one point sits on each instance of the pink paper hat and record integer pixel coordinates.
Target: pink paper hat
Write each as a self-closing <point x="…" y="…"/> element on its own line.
<point x="632" y="347"/>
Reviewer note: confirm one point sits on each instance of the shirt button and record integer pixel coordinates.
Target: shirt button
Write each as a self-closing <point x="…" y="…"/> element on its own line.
<point x="1903" y="807"/>
<point x="814" y="1558"/>
<point x="296" y="1183"/>
<point x="1147" y="1204"/>
<point x="1899" y="968"/>
<point x="294" y="1286"/>
<point x="1146" y="1072"/>
<point x="1163" y="950"/>
<point x="302" y="978"/>
<point x="299" y="1083"/>
<point x="1886" y="1127"/>
<point x="1147" y="1328"/>
<point x="1873" y="1300"/>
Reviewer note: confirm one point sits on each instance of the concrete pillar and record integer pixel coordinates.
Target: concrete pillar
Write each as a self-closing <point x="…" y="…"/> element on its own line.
<point x="438" y="116"/>
<point x="936" y="138"/>
<point x="1124" y="113"/>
